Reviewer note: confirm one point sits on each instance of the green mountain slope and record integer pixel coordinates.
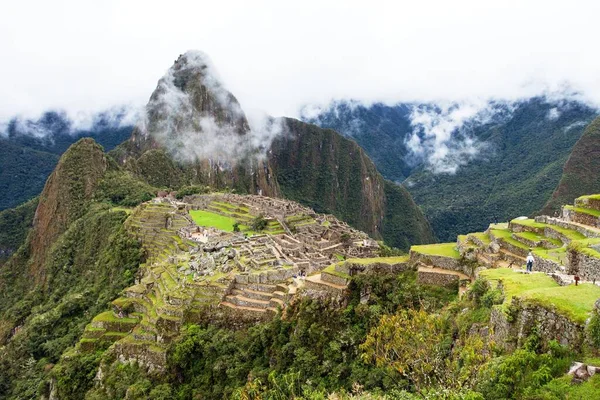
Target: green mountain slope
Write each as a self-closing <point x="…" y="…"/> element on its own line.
<point x="581" y="172"/>
<point x="15" y="224"/>
<point x="76" y="257"/>
<point x="524" y="146"/>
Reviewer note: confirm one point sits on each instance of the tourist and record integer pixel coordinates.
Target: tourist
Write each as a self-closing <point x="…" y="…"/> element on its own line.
<point x="530" y="260"/>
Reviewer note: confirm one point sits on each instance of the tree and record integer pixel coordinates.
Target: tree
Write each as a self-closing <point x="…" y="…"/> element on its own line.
<point x="411" y="343"/>
<point x="259" y="223"/>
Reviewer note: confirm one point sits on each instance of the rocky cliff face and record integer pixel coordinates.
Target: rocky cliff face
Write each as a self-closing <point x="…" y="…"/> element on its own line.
<point x="581" y="173"/>
<point x="64" y="198"/>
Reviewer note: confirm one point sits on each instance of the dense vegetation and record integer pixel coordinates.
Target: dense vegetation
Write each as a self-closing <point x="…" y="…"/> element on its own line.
<point x="87" y="268"/>
<point x="580" y="174"/>
<point x="14" y="227"/>
<point x="521" y="166"/>
<point x="84" y="259"/>
<point x="405" y="341"/>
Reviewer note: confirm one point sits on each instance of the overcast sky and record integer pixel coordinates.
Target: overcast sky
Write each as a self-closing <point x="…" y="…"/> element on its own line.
<point x="279" y="55"/>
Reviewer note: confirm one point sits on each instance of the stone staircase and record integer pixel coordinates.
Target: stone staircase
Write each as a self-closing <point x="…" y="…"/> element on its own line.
<point x="257" y="298"/>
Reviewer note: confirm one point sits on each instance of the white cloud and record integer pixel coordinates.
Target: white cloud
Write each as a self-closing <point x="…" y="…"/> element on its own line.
<point x="277" y="56"/>
<point x="191" y="126"/>
<point x="438" y="138"/>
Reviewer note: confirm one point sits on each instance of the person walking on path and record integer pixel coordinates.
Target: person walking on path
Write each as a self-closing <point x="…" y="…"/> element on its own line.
<point x="530" y="260"/>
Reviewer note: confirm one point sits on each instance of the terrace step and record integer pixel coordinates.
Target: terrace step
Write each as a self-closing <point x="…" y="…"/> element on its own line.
<point x="252" y="294"/>
<point x="316" y="282"/>
<point x="274" y="303"/>
<point x="590" y="202"/>
<point x="586" y="230"/>
<point x="280" y="295"/>
<point x="513" y="259"/>
<point x="245" y="308"/>
<point x="246" y="302"/>
<point x="585" y="216"/>
<point x="335" y="279"/>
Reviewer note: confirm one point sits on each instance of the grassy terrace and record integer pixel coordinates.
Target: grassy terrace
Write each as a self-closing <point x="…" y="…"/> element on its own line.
<point x="590" y="196"/>
<point x="331" y="270"/>
<point x="558" y="255"/>
<point x="207" y="218"/>
<point x="484" y="237"/>
<point x="588" y="211"/>
<point x="440" y="249"/>
<point x="574" y="302"/>
<point x="529" y="223"/>
<point x="534" y="237"/>
<point x="583" y="246"/>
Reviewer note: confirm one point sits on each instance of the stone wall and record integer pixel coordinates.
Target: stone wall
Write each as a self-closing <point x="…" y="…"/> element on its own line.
<point x="584" y="266"/>
<point x="373" y="268"/>
<point x="438" y="279"/>
<point x="514" y="249"/>
<point x="581" y="218"/>
<point x="269" y="276"/>
<point x="545" y="265"/>
<point x="509" y="332"/>
<point x="449" y="263"/>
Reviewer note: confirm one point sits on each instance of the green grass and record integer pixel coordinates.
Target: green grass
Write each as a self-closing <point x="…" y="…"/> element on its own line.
<point x="331" y="270"/>
<point x="529" y="223"/>
<point x="108" y="316"/>
<point x="501" y="233"/>
<point x="574" y="302"/>
<point x="583" y="246"/>
<point x="588" y="211"/>
<point x="214" y="220"/>
<point x="484" y="237"/>
<point x="534" y="237"/>
<point x="501" y="225"/>
<point x="590" y="197"/>
<point x="569" y="233"/>
<point x="440" y="249"/>
<point x="383" y="260"/>
<point x="559" y="255"/>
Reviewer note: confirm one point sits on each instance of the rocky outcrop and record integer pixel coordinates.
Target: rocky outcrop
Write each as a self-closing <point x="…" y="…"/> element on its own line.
<point x="64" y="199"/>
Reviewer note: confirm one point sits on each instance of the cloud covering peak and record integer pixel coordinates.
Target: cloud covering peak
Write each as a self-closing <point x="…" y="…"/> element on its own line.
<point x="194" y="117"/>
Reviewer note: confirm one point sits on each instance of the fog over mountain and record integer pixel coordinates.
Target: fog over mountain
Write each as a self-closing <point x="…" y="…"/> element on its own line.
<point x="278" y="58"/>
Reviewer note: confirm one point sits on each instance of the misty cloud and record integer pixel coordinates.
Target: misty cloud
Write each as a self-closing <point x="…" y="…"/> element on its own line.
<point x="440" y="139"/>
<point x="51" y="123"/>
<point x="194" y="117"/>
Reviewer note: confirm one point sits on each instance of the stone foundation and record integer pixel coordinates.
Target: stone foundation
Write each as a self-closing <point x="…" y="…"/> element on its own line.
<point x="438" y="279"/>
<point x="511" y="332"/>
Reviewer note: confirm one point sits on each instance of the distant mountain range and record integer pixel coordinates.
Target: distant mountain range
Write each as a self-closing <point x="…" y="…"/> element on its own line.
<point x="30" y="149"/>
<point x="503" y="160"/>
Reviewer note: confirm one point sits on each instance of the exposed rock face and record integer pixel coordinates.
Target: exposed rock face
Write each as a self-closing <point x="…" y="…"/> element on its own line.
<point x="64" y="198"/>
<point x="580" y="173"/>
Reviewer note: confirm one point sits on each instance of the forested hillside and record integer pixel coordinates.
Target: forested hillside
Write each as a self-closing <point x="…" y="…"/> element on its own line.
<point x="521" y="149"/>
<point x="581" y="173"/>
